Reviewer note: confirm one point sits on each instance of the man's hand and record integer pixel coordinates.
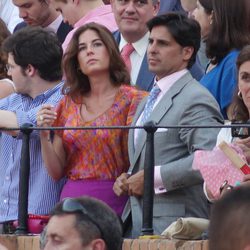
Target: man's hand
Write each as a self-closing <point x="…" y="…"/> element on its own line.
<point x="121" y="186"/>
<point x="246" y="180"/>
<point x="136" y="184"/>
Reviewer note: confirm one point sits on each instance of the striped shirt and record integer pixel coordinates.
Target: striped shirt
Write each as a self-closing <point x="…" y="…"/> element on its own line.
<point x="44" y="192"/>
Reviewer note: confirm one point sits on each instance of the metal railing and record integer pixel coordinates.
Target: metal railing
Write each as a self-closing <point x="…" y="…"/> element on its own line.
<point x="148" y="196"/>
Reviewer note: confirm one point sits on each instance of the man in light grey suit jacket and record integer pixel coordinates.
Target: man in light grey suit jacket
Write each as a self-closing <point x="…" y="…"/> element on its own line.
<point x="173" y="43"/>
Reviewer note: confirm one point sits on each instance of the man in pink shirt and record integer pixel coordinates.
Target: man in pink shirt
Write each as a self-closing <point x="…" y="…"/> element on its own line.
<point x="175" y="99"/>
<point x="78" y="13"/>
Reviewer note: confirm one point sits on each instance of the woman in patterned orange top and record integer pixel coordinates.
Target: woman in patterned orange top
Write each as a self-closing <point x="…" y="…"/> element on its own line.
<point x="96" y="94"/>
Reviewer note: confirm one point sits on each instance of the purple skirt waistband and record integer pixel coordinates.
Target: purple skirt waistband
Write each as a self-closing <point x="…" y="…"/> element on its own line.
<point x="99" y="189"/>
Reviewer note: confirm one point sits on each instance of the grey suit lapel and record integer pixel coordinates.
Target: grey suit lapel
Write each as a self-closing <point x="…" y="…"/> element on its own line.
<point x="166" y="102"/>
<point x="158" y="113"/>
<point x="131" y="146"/>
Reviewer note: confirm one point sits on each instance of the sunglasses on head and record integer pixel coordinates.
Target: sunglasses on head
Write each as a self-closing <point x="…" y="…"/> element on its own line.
<point x="71" y="206"/>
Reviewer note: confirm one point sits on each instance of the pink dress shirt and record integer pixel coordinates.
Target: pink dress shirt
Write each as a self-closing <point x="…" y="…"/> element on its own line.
<point x="164" y="84"/>
<point x="102" y="15"/>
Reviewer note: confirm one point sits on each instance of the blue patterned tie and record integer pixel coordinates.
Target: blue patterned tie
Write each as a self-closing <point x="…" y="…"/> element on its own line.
<point x="150" y="103"/>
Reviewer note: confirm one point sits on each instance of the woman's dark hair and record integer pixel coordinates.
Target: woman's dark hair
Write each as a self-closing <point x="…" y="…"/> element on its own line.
<point x="229" y="30"/>
<point x="77" y="83"/>
<point x="4" y="33"/>
<point x="207" y="5"/>
<point x="239" y="111"/>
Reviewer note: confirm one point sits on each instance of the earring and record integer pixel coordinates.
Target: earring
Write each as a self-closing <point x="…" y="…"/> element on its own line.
<point x="239" y="95"/>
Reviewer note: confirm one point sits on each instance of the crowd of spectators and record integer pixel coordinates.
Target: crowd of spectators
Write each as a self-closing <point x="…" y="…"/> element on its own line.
<point x="118" y="63"/>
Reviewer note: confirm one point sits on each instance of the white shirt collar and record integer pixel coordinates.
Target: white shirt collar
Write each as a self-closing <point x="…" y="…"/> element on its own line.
<point x="166" y="82"/>
<point x="54" y="26"/>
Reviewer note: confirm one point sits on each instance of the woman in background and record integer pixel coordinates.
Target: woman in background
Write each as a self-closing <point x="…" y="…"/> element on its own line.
<point x="203" y="14"/>
<point x="96" y="94"/>
<point x="229" y="33"/>
<point x="239" y="111"/>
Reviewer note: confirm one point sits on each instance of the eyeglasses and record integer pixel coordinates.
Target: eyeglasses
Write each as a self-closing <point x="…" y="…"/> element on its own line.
<point x="71" y="205"/>
<point x="9" y="67"/>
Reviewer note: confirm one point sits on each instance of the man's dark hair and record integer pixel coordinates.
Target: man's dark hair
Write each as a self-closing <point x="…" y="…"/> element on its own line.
<point x="39" y="48"/>
<point x="100" y="222"/>
<point x="229" y="223"/>
<point x="184" y="30"/>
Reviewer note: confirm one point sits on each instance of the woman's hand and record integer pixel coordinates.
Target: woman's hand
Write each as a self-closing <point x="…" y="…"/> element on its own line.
<point x="246" y="180"/>
<point x="244" y="144"/>
<point x="46" y="117"/>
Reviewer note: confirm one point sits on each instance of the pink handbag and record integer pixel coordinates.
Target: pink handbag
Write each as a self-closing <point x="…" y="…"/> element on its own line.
<point x="36" y="223"/>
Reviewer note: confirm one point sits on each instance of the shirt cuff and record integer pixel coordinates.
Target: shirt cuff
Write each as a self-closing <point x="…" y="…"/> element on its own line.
<point x="158" y="183"/>
<point x="206" y="194"/>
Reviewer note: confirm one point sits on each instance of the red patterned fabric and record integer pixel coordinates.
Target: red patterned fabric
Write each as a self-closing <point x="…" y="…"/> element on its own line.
<point x="98" y="154"/>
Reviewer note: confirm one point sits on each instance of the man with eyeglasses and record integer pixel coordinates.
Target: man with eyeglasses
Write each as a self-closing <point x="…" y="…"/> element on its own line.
<point x="83" y="223"/>
<point x="34" y="63"/>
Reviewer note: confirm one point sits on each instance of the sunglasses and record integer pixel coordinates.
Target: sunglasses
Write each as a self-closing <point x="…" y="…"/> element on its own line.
<point x="71" y="206"/>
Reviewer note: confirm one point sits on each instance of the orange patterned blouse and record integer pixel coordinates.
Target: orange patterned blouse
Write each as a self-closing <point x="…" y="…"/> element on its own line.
<point x="98" y="154"/>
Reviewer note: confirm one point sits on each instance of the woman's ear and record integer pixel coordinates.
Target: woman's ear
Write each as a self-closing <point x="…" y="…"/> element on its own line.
<point x="211" y="17"/>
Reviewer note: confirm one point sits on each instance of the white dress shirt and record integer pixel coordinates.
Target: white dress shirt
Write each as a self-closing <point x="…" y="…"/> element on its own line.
<point x="9" y="14"/>
<point x="136" y="56"/>
<point x="54" y="26"/>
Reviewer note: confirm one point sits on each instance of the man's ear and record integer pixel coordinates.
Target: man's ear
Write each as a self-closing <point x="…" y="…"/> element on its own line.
<point x="97" y="244"/>
<point x="30" y="70"/>
<point x="156" y="8"/>
<point x="187" y="53"/>
<point x="247" y="247"/>
<point x="75" y="2"/>
<point x="112" y="4"/>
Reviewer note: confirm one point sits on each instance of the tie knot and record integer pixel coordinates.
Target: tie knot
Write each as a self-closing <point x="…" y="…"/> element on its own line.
<point x="127" y="49"/>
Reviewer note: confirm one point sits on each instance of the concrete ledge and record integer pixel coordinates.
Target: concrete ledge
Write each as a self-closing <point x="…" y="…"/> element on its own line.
<point x="13" y="242"/>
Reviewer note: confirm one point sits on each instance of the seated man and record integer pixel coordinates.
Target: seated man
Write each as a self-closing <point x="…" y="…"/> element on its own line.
<point x="34" y="63"/>
<point x="83" y="223"/>
<point x="176" y="99"/>
<point x="229" y="223"/>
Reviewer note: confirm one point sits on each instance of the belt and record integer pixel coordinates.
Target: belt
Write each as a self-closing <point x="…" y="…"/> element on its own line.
<point x="7" y="227"/>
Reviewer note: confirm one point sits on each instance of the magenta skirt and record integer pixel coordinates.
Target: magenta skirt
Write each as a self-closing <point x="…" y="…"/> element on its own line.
<point x="99" y="189"/>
